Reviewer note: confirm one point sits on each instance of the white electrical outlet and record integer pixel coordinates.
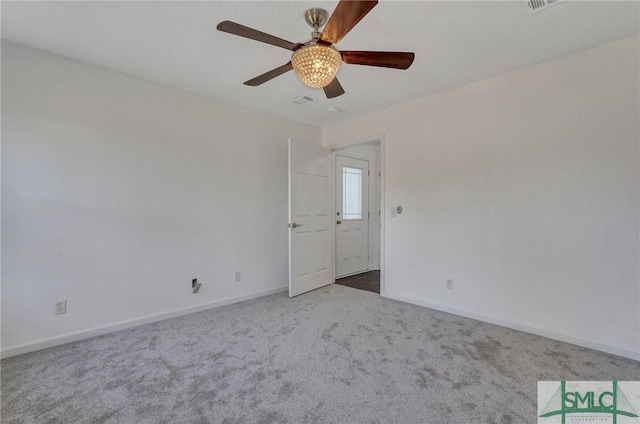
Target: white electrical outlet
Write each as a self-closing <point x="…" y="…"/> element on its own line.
<point x="237" y="277"/>
<point x="449" y="284"/>
<point x="61" y="307"/>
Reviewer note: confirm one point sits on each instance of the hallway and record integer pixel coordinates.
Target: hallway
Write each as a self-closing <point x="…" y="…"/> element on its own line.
<point x="369" y="281"/>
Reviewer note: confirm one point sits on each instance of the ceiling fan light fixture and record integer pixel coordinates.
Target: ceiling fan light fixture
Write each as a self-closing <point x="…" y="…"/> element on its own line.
<point x="316" y="62"/>
<point x="316" y="65"/>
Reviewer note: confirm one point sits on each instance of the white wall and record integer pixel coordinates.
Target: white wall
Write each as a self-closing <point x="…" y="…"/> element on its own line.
<point x="524" y="189"/>
<point x="116" y="192"/>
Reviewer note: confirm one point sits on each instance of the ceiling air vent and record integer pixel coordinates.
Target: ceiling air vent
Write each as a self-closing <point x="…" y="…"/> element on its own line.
<point x="537" y="5"/>
<point x="303" y="100"/>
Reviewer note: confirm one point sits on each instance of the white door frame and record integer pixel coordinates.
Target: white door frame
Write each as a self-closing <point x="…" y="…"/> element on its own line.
<point x="336" y="148"/>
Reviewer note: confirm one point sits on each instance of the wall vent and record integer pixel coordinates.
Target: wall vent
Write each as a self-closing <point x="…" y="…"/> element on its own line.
<point x="537" y="5"/>
<point x="303" y="100"/>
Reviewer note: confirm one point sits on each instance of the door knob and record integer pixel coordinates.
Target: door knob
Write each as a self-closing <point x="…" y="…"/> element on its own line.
<point x="338" y="222"/>
<point x="294" y="225"/>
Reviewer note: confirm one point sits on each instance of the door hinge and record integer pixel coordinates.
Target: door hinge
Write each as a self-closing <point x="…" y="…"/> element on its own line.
<point x="369" y="172"/>
<point x="379" y="173"/>
<point x="368" y="214"/>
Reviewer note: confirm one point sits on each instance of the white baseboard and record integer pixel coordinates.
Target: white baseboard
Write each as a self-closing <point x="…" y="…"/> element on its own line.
<point x="519" y="327"/>
<point x="97" y="331"/>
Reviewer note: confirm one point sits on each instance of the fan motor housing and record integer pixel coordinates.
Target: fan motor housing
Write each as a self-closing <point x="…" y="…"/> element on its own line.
<point x="316" y="16"/>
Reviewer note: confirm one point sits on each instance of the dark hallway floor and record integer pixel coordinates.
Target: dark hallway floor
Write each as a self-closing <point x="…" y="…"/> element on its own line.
<point x="369" y="281"/>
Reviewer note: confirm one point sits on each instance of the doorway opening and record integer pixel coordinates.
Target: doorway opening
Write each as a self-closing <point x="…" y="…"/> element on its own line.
<point x="358" y="216"/>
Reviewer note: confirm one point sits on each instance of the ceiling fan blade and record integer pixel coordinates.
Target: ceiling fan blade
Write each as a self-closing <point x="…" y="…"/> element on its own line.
<point x="346" y="15"/>
<point x="261" y="79"/>
<point x="397" y="60"/>
<point x="334" y="89"/>
<point x="253" y="34"/>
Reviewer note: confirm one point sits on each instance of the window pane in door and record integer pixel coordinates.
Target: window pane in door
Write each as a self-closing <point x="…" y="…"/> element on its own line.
<point x="351" y="193"/>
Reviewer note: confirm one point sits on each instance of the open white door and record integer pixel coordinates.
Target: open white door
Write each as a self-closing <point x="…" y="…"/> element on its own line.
<point x="311" y="223"/>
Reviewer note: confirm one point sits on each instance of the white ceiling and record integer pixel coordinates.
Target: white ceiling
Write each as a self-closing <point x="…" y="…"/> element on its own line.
<point x="177" y="43"/>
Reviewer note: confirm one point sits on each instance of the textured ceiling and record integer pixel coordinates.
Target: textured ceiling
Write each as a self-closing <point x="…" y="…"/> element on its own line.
<point x="176" y="43"/>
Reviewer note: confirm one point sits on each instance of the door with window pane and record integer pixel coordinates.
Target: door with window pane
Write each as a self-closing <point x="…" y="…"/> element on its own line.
<point x="352" y="216"/>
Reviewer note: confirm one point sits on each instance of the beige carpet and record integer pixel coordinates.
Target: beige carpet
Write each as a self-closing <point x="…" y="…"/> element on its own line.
<point x="336" y="355"/>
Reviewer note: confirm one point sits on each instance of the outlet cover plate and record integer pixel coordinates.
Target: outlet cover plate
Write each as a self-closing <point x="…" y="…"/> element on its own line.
<point x="61" y="307"/>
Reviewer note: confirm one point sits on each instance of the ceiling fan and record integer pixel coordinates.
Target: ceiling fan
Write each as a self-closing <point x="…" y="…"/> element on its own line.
<point x="317" y="62"/>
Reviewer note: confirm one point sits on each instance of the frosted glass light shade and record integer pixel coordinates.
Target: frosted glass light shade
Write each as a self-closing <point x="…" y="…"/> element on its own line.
<point x="316" y="66"/>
